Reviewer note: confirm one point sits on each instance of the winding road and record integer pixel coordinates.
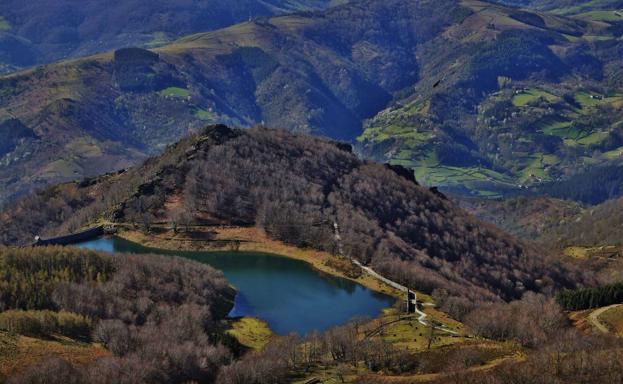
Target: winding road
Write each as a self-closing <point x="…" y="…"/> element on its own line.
<point x="421" y="315"/>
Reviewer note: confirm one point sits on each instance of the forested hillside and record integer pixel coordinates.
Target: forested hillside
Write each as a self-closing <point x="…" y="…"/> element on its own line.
<point x="42" y="31"/>
<point x="296" y="187"/>
<point x="158" y="317"/>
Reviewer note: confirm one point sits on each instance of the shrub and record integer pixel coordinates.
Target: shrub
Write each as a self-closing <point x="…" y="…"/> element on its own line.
<point x="45" y="323"/>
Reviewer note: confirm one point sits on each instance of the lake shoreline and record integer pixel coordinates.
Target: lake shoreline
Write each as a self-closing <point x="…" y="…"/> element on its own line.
<point x="250" y="240"/>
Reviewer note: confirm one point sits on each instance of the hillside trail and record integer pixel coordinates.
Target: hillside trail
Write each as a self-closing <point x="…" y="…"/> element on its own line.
<point x="593" y="318"/>
<point x="421" y="315"/>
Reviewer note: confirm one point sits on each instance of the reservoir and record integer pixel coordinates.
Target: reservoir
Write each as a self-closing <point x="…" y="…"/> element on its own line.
<point x="290" y="295"/>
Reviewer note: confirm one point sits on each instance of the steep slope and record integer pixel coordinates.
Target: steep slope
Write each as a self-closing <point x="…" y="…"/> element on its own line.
<point x="528" y="217"/>
<point x="42" y="31"/>
<point x="295" y="188"/>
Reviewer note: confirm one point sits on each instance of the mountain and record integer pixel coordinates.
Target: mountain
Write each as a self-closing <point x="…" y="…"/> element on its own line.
<point x="479" y="96"/>
<point x="315" y="72"/>
<point x="296" y="187"/>
<point x="42" y="31"/>
<point x="524" y="99"/>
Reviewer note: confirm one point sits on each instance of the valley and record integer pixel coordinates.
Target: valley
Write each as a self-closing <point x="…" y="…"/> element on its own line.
<point x="311" y="192"/>
<point x="431" y="100"/>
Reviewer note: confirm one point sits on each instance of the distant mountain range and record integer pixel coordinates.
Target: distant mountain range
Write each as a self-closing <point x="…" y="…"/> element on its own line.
<point x="475" y="97"/>
<point x="42" y="31"/>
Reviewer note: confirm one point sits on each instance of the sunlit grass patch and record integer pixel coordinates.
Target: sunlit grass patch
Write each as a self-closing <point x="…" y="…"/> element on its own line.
<point x="593" y="138"/>
<point x="158" y="39"/>
<point x="17" y="353"/>
<point x="204" y="115"/>
<point x="4" y="25"/>
<point x="531" y="95"/>
<point x="561" y="129"/>
<point x="614" y="154"/>
<point x="608" y="15"/>
<point x="251" y="332"/>
<point x="588" y="100"/>
<point x="175" y="92"/>
<point x="403" y="132"/>
<point x="613" y="318"/>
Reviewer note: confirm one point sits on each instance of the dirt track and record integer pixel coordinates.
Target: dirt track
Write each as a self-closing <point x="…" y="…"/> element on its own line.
<point x="593" y="318"/>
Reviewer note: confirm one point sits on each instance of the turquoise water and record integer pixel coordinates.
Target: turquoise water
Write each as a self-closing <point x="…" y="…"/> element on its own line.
<point x="288" y="294"/>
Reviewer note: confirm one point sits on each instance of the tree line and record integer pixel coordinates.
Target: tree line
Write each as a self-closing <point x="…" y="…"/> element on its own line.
<point x="586" y="298"/>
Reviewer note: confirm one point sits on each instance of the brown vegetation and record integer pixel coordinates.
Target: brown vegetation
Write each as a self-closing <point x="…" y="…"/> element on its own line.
<point x="295" y="188"/>
<point x="158" y="316"/>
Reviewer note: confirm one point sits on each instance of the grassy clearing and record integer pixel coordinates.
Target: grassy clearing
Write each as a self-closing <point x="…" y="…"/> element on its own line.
<point x="19" y="352"/>
<point x="613" y="319"/>
<point x="203" y="115"/>
<point x="65" y="168"/>
<point x="251" y="332"/>
<point x="573" y="136"/>
<point x="576" y="252"/>
<point x="614" y="154"/>
<point x="534" y="168"/>
<point x="175" y="92"/>
<point x="429" y="171"/>
<point x="561" y="129"/>
<point x="158" y="39"/>
<point x="588" y="100"/>
<point x="609" y="15"/>
<point x="593" y="138"/>
<point x="531" y="95"/>
<point x="604" y="252"/>
<point x="410" y="334"/>
<point x="410" y="135"/>
<point x="4" y="25"/>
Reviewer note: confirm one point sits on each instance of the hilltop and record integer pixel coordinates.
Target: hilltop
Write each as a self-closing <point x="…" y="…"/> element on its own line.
<point x="481" y="96"/>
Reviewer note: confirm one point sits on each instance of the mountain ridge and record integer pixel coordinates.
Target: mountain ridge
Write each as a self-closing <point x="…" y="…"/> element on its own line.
<point x="43" y="31"/>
